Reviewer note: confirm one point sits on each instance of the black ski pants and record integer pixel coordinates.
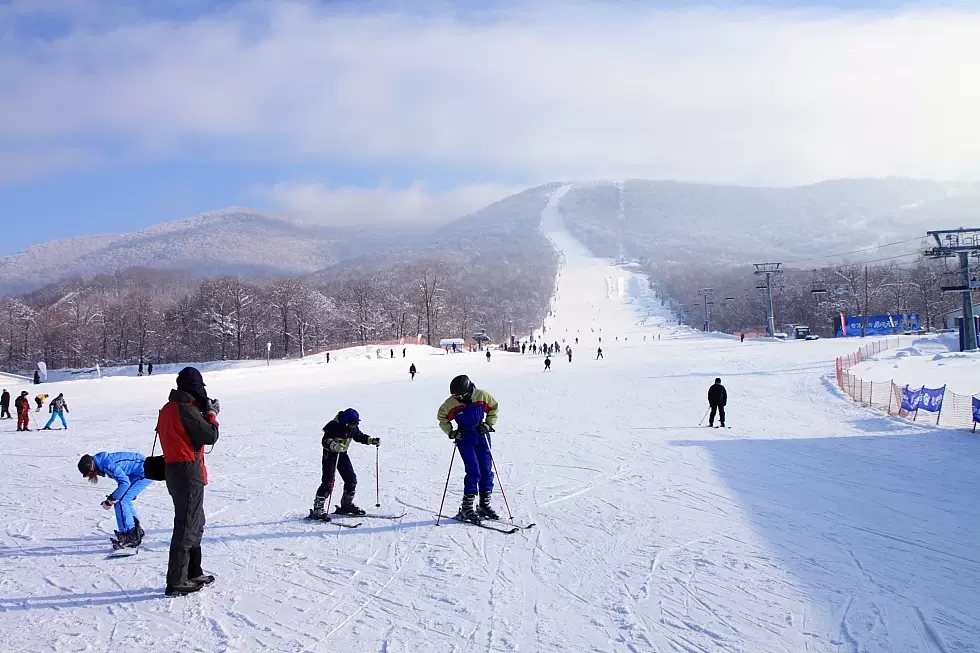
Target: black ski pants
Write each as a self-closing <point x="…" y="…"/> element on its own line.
<point x="5" y="412"/>
<point x="187" y="492"/>
<point x="336" y="462"/>
<point x="721" y="415"/>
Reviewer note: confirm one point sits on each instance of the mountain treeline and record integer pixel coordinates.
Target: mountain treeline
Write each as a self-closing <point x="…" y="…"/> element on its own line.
<point x="152" y="315"/>
<point x="810" y="297"/>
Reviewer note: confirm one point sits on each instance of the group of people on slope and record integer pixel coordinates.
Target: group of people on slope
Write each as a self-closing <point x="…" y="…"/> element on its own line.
<point x="188" y="422"/>
<point x="22" y="404"/>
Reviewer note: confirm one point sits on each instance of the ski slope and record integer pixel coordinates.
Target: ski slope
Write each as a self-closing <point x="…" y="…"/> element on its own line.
<point x="810" y="525"/>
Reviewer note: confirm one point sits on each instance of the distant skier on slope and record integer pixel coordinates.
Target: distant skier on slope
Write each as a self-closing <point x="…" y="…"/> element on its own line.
<point x="717" y="399"/>
<point x="23" y="407"/>
<point x="126" y="469"/>
<point x="5" y="405"/>
<point x="58" y="408"/>
<point x="547" y="363"/>
<point x="599" y="354"/>
<point x="569" y="354"/>
<point x="337" y="436"/>
<point x="412" y="371"/>
<point x="475" y="413"/>
<point x="488" y="355"/>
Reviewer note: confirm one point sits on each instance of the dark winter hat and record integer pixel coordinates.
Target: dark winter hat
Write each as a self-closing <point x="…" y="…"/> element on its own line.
<point x="86" y="465"/>
<point x="348" y="417"/>
<point x="717" y="380"/>
<point x="190" y="380"/>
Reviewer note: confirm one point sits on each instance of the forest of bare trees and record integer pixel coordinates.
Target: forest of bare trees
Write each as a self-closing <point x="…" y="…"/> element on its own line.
<point x="148" y="315"/>
<point x="811" y="297"/>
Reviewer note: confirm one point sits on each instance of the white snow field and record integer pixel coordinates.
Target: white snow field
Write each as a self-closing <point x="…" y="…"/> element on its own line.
<point x="811" y="525"/>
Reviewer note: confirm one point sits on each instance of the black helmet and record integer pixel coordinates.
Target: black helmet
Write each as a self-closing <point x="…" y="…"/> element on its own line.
<point x="462" y="388"/>
<point x="86" y="465"/>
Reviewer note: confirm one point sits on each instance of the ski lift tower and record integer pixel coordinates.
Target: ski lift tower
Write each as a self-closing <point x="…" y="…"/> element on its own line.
<point x="768" y="269"/>
<point x="961" y="243"/>
<point x="706" y="294"/>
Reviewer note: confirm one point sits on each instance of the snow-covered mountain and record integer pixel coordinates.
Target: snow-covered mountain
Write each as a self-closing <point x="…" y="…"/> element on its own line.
<point x="663" y="219"/>
<point x="674" y="221"/>
<point x="230" y="241"/>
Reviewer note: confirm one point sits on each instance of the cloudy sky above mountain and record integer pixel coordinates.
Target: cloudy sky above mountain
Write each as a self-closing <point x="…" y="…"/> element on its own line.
<point x="119" y="115"/>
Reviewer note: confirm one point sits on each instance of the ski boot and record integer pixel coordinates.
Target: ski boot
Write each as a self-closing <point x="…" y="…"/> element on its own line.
<point x="317" y="511"/>
<point x="138" y="530"/>
<point x="484" y="509"/>
<point x="466" y="511"/>
<point x="183" y="589"/>
<point x="347" y="506"/>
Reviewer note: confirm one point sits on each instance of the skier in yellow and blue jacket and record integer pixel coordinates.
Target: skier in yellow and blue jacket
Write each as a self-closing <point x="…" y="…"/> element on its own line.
<point x="475" y="413"/>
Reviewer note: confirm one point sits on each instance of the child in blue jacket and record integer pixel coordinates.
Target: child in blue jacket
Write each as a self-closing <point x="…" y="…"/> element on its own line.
<point x="126" y="469"/>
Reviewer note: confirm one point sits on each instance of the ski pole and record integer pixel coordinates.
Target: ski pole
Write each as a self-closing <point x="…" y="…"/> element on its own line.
<point x="705" y="415"/>
<point x="377" y="475"/>
<point x="510" y="515"/>
<point x="446" y="489"/>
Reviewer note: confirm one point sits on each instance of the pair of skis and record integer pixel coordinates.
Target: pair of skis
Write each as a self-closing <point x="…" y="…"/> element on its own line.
<point x="499" y="525"/>
<point x="331" y="519"/>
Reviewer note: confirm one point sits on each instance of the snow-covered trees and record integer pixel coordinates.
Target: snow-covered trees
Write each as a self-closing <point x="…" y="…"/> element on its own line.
<point x="144" y="315"/>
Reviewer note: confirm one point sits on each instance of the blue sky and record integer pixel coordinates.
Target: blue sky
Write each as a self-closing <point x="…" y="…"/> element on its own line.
<point x="117" y="116"/>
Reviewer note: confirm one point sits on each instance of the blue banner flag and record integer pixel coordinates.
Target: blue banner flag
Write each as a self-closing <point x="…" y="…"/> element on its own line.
<point x="910" y="399"/>
<point x="976" y="409"/>
<point x="932" y="400"/>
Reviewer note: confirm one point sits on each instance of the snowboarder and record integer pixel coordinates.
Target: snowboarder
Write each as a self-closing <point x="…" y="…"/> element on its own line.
<point x="337" y="436"/>
<point x="5" y="405"/>
<point x="186" y="424"/>
<point x="569" y="354"/>
<point x="39" y="400"/>
<point x="412" y="371"/>
<point x="488" y="355"/>
<point x="58" y="408"/>
<point x="149" y="369"/>
<point x="547" y="363"/>
<point x="126" y="469"/>
<point x="717" y="399"/>
<point x="599" y="354"/>
<point x="23" y="407"/>
<point x="37" y="377"/>
<point x="475" y="413"/>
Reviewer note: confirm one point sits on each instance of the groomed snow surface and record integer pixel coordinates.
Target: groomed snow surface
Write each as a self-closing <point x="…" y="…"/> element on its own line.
<point x="811" y="525"/>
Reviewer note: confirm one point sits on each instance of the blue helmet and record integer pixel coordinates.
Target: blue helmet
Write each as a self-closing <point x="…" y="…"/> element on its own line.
<point x="348" y="417"/>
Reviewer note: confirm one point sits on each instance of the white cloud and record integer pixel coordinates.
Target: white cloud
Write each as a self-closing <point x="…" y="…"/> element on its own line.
<point x="558" y="91"/>
<point x="358" y="206"/>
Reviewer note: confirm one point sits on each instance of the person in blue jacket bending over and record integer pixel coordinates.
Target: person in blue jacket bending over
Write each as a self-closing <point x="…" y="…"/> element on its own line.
<point x="126" y="469"/>
<point x="475" y="413"/>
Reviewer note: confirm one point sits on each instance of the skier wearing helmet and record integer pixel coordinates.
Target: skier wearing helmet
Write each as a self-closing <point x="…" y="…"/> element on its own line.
<point x="337" y="436"/>
<point x="475" y="413"/>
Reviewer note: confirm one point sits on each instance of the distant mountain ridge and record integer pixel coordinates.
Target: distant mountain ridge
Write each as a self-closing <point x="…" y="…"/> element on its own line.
<point x="670" y="221"/>
<point x="662" y="220"/>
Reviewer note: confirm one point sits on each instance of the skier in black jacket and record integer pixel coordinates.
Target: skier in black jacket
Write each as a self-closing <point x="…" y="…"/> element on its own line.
<point x="717" y="399"/>
<point x="337" y="436"/>
<point x="5" y="405"/>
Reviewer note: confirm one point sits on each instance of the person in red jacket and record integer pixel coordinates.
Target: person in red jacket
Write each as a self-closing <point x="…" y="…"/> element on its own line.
<point x="187" y="423"/>
<point x="23" y="406"/>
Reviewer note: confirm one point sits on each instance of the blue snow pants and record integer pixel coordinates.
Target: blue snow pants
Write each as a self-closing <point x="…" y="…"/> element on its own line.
<point x="125" y="513"/>
<point x="474" y="449"/>
<point x="56" y="413"/>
